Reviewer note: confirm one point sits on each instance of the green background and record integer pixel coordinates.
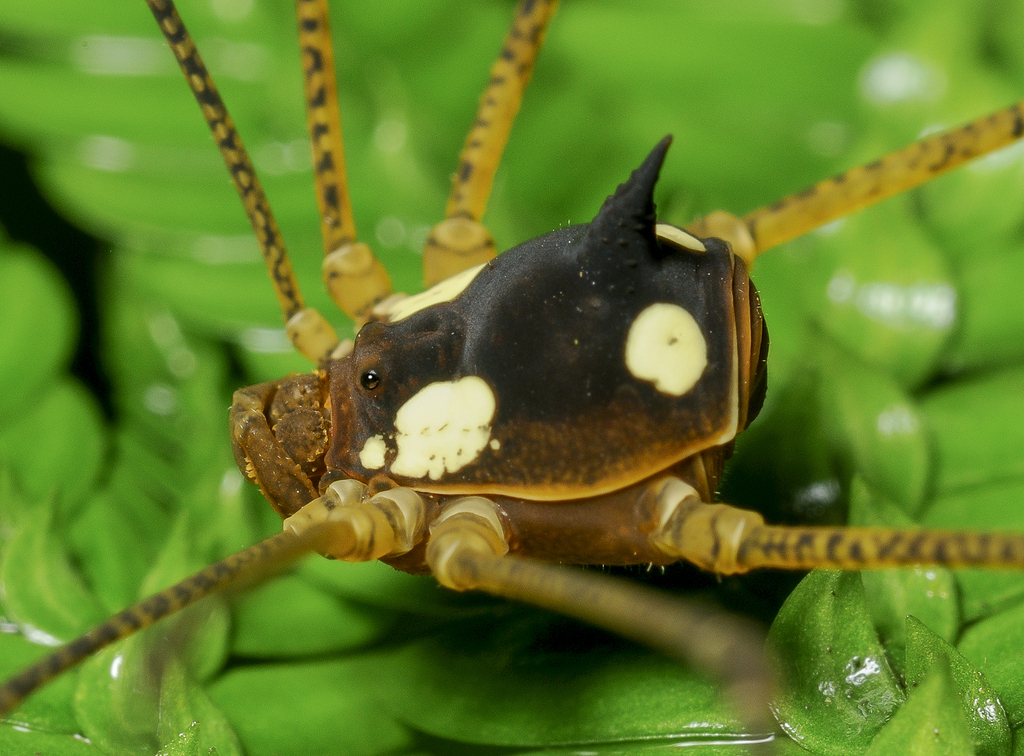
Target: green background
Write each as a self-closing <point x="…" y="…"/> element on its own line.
<point x="895" y="372"/>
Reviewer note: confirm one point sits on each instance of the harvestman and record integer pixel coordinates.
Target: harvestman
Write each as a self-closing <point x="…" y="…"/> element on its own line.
<point x="473" y="510"/>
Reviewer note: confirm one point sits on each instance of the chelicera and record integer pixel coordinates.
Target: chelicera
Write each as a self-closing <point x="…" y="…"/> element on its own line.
<point x="461" y="431"/>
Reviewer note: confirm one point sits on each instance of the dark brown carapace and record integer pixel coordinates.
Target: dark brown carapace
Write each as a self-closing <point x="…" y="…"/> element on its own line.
<point x="571" y="433"/>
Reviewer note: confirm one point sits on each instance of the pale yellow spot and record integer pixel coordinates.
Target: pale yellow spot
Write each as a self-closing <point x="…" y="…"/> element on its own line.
<point x="445" y="291"/>
<point x="443" y="428"/>
<point x="680" y="237"/>
<point x="495" y="444"/>
<point x="665" y="346"/>
<point x="372" y="455"/>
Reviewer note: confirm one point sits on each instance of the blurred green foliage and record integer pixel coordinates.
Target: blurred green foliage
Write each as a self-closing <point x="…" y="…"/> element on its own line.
<point x="895" y="370"/>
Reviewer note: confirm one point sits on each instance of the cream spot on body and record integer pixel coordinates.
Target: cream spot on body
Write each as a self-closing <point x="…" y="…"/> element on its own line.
<point x="445" y="291"/>
<point x="443" y="428"/>
<point x="372" y="455"/>
<point x="665" y="346"/>
<point x="680" y="237"/>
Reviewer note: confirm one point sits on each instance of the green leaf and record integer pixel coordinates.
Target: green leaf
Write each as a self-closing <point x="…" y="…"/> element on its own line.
<point x="50" y="743"/>
<point x="876" y="427"/>
<point x="39" y="327"/>
<point x="117" y="698"/>
<point x="929" y="593"/>
<point x="989" y="728"/>
<point x="183" y="704"/>
<point x="839" y="689"/>
<point x="186" y="744"/>
<point x="988" y="333"/>
<point x="114" y="548"/>
<point x="68" y="445"/>
<point x="960" y="416"/>
<point x="49" y="711"/>
<point x="205" y="652"/>
<point x="659" y="747"/>
<point x="290" y="617"/>
<point x="377" y="584"/>
<point x="930" y="723"/>
<point x="328" y="709"/>
<point x="995" y="506"/>
<point x="41" y="590"/>
<point x="892" y="309"/>
<point x="993" y="646"/>
<point x="137" y="695"/>
<point x="539" y="683"/>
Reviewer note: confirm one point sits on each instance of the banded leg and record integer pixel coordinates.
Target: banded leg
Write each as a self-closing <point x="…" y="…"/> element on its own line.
<point x="249" y="564"/>
<point x="343" y="523"/>
<point x="461" y="241"/>
<point x="355" y="278"/>
<point x="728" y="540"/>
<point x="468" y="551"/>
<point x="311" y="334"/>
<point x="795" y="215"/>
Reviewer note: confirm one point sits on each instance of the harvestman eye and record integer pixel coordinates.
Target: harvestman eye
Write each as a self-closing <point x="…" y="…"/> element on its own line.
<point x="370" y="380"/>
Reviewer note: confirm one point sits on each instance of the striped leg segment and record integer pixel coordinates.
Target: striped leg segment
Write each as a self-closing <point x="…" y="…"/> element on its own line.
<point x="323" y="118"/>
<point x="727" y="540"/>
<point x="310" y="333"/>
<point x="860" y="187"/>
<point x="354" y="276"/>
<point x="344" y="522"/>
<point x="461" y="241"/>
<point x="249" y="564"/>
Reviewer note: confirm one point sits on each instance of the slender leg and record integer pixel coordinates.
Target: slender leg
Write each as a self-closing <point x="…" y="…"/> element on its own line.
<point x="311" y="334"/>
<point x="728" y="540"/>
<point x="341" y="523"/>
<point x="461" y="241"/>
<point x="860" y="187"/>
<point x="354" y="276"/>
<point x="249" y="564"/>
<point x="468" y="551"/>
